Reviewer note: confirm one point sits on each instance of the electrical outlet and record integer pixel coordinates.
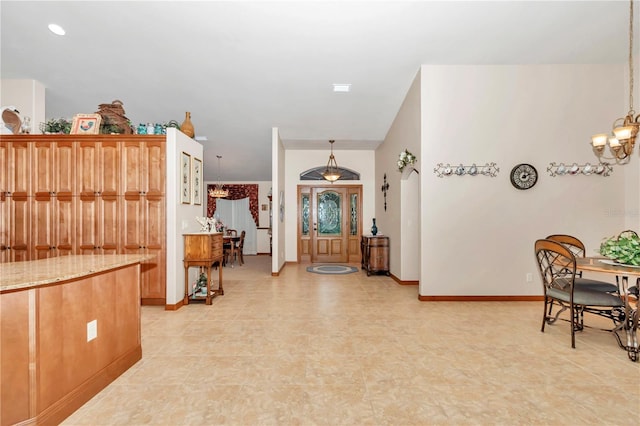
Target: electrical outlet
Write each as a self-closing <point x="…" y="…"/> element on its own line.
<point x="92" y="330"/>
<point x="529" y="277"/>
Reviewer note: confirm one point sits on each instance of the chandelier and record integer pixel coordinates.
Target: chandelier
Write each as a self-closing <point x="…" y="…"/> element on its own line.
<point x="218" y="191"/>
<point x="625" y="128"/>
<point x="331" y="173"/>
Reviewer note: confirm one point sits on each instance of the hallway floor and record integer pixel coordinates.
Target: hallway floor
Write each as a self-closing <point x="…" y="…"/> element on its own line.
<point x="310" y="349"/>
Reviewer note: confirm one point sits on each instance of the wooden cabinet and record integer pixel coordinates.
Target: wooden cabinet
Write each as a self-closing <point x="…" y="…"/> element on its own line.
<point x="375" y="254"/>
<point x="5" y="224"/>
<point x="85" y="194"/>
<point x="53" y="205"/>
<point x="202" y="250"/>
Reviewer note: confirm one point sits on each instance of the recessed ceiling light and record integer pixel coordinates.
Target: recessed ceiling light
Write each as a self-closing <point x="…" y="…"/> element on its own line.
<point x="342" y="87"/>
<point x="57" y="29"/>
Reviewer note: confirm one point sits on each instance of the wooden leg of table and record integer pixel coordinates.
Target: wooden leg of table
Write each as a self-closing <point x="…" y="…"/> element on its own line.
<point x="208" y="300"/>
<point x="220" y="289"/>
<point x="186" y="285"/>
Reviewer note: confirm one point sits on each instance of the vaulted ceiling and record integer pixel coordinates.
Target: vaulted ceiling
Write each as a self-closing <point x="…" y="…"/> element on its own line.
<point x="243" y="67"/>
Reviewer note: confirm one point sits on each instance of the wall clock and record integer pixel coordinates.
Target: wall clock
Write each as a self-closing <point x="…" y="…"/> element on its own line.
<point x="524" y="176"/>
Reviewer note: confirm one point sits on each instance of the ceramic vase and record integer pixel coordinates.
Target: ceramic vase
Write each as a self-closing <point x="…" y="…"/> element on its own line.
<point x="187" y="127"/>
<point x="374" y="228"/>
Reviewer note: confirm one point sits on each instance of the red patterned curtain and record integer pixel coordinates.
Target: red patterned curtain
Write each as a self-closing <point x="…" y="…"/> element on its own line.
<point x="236" y="192"/>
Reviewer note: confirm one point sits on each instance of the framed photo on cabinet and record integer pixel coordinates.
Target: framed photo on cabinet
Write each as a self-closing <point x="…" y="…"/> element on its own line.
<point x="197" y="181"/>
<point x="86" y="124"/>
<point x="185" y="178"/>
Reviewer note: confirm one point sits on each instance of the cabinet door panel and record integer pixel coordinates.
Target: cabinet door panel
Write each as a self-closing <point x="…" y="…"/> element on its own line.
<point x="5" y="225"/>
<point x="132" y="224"/>
<point x="153" y="278"/>
<point x="64" y="224"/>
<point x="20" y="169"/>
<point x="132" y="166"/>
<point x="64" y="168"/>
<point x="110" y="228"/>
<point x="41" y="232"/>
<point x="4" y="169"/>
<point x="42" y="167"/>
<point x="154" y="168"/>
<point x="109" y="168"/>
<point x="87" y="236"/>
<point x="88" y="165"/>
<point x="20" y="213"/>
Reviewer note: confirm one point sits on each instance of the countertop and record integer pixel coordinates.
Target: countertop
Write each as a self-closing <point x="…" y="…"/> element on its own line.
<point x="33" y="273"/>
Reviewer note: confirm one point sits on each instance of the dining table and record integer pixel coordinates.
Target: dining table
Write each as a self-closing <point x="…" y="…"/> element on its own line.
<point x="628" y="320"/>
<point x="232" y="241"/>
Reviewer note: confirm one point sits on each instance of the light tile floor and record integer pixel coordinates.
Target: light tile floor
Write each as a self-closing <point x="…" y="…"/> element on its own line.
<point x="309" y="349"/>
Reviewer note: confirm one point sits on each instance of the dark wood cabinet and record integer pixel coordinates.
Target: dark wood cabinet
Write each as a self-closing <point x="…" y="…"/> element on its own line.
<point x="375" y="254"/>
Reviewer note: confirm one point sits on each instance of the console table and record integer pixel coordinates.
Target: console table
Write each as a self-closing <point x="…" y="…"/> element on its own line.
<point x="375" y="254"/>
<point x="203" y="249"/>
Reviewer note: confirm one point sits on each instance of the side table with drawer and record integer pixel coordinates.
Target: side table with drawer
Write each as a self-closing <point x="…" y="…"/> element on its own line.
<point x="375" y="254"/>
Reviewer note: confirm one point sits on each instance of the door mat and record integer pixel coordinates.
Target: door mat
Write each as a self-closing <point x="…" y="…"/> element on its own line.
<point x="332" y="269"/>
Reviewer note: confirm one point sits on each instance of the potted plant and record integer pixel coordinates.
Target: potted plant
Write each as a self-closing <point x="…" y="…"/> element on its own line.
<point x="56" y="126"/>
<point x="624" y="248"/>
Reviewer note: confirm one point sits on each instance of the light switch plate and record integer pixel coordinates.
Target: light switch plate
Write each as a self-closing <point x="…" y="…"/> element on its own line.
<point x="92" y="330"/>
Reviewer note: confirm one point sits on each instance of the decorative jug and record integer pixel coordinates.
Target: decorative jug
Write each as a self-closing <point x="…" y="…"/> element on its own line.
<point x="187" y="127"/>
<point x="374" y="228"/>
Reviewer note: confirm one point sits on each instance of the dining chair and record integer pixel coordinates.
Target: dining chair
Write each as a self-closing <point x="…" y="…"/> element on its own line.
<point x="226" y="246"/>
<point x="240" y="248"/>
<point x="557" y="265"/>
<point x="578" y="249"/>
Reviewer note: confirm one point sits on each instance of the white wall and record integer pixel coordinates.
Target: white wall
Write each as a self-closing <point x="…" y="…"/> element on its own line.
<point x="299" y="161"/>
<point x="28" y="96"/>
<point x="478" y="232"/>
<point x="180" y="217"/>
<point x="278" y="191"/>
<point x="402" y="217"/>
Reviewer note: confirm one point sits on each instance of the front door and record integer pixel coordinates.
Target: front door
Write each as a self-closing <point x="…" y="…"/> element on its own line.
<point x="329" y="230"/>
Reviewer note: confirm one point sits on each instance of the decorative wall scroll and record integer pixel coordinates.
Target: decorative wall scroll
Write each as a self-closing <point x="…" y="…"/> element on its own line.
<point x="384" y="189"/>
<point x="489" y="169"/>
<point x="600" y="169"/>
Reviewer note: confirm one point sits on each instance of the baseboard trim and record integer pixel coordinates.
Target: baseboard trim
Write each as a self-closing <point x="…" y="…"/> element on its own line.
<point x="75" y="399"/>
<point x="480" y="298"/>
<point x="399" y="281"/>
<point x="174" y="307"/>
<point x="153" y="301"/>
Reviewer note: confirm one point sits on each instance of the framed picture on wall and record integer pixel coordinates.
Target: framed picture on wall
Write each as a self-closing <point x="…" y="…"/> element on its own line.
<point x="86" y="124"/>
<point x="185" y="178"/>
<point x="197" y="181"/>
